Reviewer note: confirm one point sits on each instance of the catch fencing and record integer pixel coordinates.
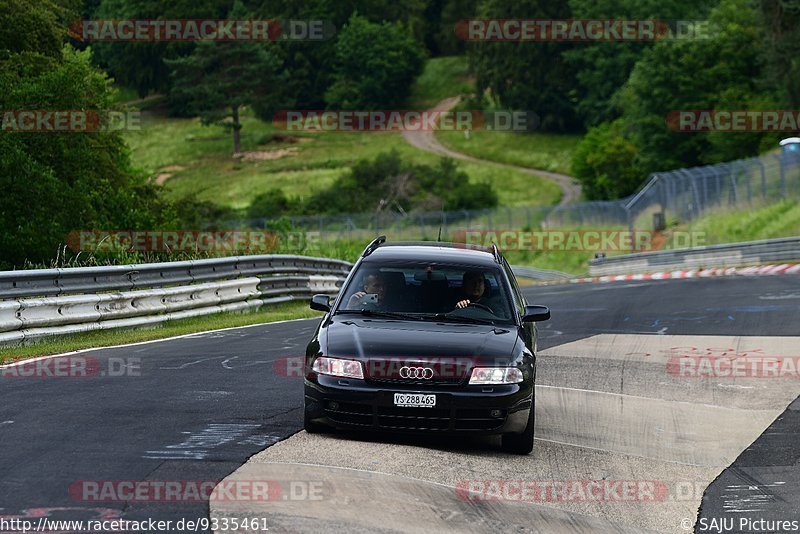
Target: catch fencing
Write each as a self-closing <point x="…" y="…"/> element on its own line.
<point x="679" y="195"/>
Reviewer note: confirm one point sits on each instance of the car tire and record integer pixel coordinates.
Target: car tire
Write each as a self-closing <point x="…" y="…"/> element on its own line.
<point x="520" y="443"/>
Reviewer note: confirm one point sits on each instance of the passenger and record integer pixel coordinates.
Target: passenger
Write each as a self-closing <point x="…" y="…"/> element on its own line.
<point x="374" y="294"/>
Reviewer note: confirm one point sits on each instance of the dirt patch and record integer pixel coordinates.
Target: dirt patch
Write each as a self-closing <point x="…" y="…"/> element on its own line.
<point x="173" y="168"/>
<point x="266" y="155"/>
<point x="166" y="173"/>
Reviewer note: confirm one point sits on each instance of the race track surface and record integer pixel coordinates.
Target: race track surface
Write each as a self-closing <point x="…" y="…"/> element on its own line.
<point x="612" y="405"/>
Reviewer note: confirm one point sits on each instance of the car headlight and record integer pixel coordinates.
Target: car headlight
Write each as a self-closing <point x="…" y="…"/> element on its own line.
<point x="495" y="375"/>
<point x="338" y="367"/>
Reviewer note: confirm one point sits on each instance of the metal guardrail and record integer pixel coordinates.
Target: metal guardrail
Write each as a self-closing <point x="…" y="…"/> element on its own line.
<point x="46" y="302"/>
<point x="727" y="255"/>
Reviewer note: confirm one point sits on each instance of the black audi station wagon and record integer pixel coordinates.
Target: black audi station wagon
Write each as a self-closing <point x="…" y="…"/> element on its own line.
<point x="426" y="337"/>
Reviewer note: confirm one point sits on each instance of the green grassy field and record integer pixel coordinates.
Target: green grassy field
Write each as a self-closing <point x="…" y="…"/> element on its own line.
<point x="765" y="222"/>
<point x="442" y="78"/>
<point x="194" y="159"/>
<point x="551" y="152"/>
<point x="199" y="161"/>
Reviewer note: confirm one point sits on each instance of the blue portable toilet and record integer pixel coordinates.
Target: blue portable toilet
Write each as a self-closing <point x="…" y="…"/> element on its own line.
<point x="790" y="146"/>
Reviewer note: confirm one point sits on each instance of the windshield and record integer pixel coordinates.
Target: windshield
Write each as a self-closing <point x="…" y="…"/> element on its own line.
<point x="423" y="290"/>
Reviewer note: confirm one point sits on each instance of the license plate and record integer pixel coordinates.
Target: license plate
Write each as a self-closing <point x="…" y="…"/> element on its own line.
<point x="414" y="400"/>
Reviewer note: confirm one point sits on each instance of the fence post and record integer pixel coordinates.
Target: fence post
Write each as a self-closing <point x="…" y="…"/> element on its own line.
<point x="783" y="175"/>
<point x="741" y="167"/>
<point x="763" y="178"/>
<point x="695" y="193"/>
<point x="734" y="189"/>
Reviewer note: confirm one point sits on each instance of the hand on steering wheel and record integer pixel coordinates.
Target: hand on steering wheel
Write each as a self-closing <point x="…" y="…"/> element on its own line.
<point x="466" y="302"/>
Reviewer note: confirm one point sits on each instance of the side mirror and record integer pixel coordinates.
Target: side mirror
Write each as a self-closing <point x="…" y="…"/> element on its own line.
<point x="321" y="303"/>
<point x="535" y="313"/>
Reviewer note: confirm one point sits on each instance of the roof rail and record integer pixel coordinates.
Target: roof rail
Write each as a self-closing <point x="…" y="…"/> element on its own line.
<point x="496" y="253"/>
<point x="378" y="241"/>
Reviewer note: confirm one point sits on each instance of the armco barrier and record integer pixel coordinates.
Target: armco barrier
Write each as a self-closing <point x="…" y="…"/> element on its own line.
<point x="47" y="302"/>
<point x="727" y="255"/>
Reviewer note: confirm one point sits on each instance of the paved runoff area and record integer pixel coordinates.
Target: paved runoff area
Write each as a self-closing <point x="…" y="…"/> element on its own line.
<point x="661" y="405"/>
<point x="632" y="428"/>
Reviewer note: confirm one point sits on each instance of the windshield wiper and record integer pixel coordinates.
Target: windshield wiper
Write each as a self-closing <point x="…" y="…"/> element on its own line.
<point x="455" y="319"/>
<point x="376" y="313"/>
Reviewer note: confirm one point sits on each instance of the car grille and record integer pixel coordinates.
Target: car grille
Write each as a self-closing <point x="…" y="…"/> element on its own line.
<point x="441" y="373"/>
<point x="431" y="419"/>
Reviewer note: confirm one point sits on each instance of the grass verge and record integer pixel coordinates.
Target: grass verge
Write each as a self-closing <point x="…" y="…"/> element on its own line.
<point x="442" y="78"/>
<point x="766" y="222"/>
<point x="106" y="338"/>
<point x="196" y="160"/>
<point x="550" y="152"/>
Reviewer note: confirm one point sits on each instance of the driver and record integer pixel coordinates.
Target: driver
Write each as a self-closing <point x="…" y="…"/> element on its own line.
<point x="473" y="289"/>
<point x="374" y="284"/>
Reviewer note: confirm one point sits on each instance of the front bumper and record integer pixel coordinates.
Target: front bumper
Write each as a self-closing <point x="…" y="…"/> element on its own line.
<point x="358" y="404"/>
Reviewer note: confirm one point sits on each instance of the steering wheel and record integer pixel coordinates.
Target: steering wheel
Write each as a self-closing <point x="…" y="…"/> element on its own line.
<point x="482" y="306"/>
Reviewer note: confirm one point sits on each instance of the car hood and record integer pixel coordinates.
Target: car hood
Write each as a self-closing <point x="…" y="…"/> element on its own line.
<point x="367" y="339"/>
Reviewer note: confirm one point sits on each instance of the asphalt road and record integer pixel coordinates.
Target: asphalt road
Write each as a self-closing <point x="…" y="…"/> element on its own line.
<point x="196" y="408"/>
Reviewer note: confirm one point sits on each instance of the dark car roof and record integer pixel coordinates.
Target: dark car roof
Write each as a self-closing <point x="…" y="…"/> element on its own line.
<point x="433" y="251"/>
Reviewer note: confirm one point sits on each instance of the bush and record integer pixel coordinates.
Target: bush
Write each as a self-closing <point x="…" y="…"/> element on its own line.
<point x="269" y="205"/>
<point x="388" y="183"/>
<point x="605" y="163"/>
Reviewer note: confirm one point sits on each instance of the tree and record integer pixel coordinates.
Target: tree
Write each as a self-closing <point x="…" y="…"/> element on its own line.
<point x="31" y="28"/>
<point x="375" y="65"/>
<point x="602" y="68"/>
<point x="54" y="183"/>
<point x="724" y="71"/>
<point x="605" y="163"/>
<point x="310" y="61"/>
<point x="143" y="66"/>
<point x="527" y="75"/>
<point x="782" y="21"/>
<point x="219" y="78"/>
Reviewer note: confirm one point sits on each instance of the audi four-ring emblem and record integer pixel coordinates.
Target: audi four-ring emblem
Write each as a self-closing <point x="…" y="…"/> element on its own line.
<point x="425" y="373"/>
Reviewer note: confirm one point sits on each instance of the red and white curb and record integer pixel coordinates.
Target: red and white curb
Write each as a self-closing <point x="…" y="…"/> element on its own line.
<point x="762" y="270"/>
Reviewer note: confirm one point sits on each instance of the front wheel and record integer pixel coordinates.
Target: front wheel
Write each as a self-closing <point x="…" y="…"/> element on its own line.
<point x="520" y="443"/>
